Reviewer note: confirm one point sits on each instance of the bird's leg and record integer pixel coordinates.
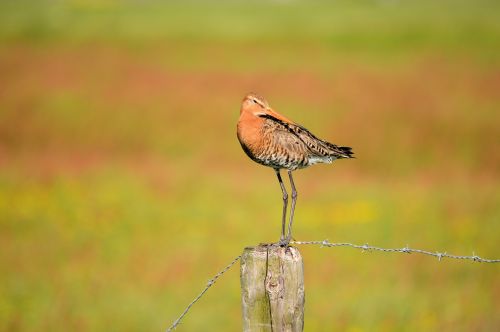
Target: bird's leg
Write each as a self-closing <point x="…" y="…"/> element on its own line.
<point x="285" y="204"/>
<point x="292" y="208"/>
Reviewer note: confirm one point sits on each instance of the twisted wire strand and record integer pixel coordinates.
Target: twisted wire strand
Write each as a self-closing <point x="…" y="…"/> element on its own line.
<point x="407" y="250"/>
<point x="326" y="243"/>
<point x="209" y="284"/>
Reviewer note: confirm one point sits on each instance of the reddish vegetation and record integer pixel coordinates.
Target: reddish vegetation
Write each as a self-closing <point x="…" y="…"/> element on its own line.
<point x="74" y="109"/>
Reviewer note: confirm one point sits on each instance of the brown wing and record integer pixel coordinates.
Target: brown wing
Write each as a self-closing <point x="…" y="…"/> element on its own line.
<point x="299" y="139"/>
<point x="283" y="149"/>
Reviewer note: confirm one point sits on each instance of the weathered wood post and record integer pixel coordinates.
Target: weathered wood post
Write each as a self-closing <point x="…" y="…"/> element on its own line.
<point x="272" y="289"/>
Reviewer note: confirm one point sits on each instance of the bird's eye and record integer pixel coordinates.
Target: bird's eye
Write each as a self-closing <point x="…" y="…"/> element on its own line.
<point x="254" y="101"/>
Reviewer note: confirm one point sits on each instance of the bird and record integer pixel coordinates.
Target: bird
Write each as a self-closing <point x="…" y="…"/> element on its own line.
<point x="275" y="141"/>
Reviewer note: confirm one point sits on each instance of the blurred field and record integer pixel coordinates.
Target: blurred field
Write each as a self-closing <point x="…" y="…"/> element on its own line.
<point x="123" y="188"/>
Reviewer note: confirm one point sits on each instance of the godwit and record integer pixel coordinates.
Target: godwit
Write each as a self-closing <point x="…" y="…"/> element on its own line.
<point x="272" y="140"/>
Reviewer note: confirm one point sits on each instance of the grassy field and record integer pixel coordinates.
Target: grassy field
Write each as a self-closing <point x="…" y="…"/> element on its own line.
<point x="123" y="188"/>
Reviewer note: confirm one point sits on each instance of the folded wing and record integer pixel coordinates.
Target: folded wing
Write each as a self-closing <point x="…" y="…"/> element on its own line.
<point x="298" y="139"/>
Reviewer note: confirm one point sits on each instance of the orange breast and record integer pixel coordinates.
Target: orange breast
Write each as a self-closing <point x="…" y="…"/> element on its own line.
<point x="249" y="130"/>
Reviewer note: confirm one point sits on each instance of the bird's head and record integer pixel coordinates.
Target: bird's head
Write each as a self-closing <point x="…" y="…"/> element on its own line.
<point x="254" y="104"/>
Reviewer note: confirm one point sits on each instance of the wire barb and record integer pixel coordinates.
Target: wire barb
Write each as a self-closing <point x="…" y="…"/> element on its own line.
<point x="209" y="284"/>
<point x="407" y="250"/>
<point x="325" y="243"/>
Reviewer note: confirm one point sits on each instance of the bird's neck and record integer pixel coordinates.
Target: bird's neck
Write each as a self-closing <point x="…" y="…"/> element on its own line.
<point x="250" y="129"/>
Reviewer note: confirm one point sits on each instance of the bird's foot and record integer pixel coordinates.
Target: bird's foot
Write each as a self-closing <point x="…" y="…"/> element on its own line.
<point x="284" y="242"/>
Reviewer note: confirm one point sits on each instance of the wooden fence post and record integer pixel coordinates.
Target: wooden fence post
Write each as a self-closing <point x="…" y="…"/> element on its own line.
<point x="272" y="289"/>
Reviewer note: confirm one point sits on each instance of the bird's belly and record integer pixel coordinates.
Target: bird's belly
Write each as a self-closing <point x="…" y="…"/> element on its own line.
<point x="276" y="160"/>
<point x="283" y="159"/>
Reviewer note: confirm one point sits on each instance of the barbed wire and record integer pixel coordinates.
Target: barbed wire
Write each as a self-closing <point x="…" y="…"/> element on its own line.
<point x="209" y="284"/>
<point x="326" y="243"/>
<point x="406" y="250"/>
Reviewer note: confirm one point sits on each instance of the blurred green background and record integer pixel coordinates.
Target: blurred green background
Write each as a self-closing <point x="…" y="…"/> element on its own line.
<point x="123" y="188"/>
